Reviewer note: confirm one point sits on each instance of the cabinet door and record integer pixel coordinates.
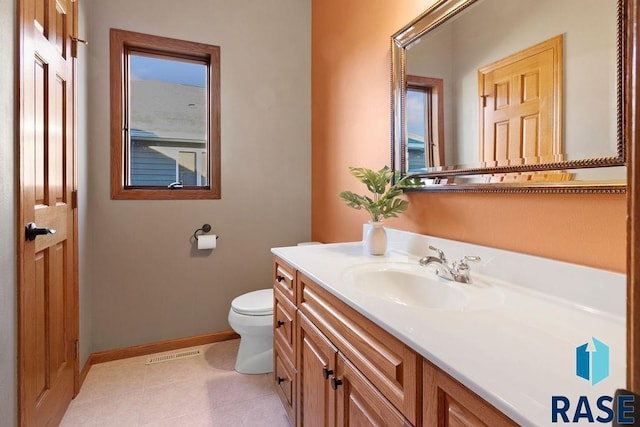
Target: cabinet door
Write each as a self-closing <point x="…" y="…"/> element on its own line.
<point x="316" y="365"/>
<point x="448" y="403"/>
<point x="359" y="403"/>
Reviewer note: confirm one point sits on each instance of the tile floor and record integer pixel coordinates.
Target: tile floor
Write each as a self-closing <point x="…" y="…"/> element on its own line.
<point x="196" y="391"/>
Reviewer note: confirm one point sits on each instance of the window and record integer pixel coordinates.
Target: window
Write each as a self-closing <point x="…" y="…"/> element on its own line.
<point x="425" y="123"/>
<point x="165" y="118"/>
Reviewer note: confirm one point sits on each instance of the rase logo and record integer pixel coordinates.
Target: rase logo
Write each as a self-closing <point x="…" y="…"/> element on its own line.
<point x="592" y="364"/>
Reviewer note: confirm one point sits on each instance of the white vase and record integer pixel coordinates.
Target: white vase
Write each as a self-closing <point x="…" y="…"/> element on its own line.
<point x="376" y="239"/>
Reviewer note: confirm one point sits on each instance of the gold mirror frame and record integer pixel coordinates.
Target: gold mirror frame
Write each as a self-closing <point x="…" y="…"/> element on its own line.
<point x="440" y="13"/>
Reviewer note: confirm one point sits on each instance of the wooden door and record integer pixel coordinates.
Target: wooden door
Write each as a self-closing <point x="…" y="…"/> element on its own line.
<point x="48" y="320"/>
<point x="520" y="107"/>
<point x="316" y="366"/>
<point x="359" y="403"/>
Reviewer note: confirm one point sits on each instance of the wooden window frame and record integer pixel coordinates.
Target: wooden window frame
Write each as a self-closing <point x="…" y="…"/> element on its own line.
<point x="121" y="43"/>
<point x="434" y="115"/>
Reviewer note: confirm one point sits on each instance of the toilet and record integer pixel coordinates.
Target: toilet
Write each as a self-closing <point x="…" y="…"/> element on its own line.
<point x="251" y="316"/>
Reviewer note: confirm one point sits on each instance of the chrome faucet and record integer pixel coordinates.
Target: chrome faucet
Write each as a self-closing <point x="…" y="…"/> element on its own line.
<point x="457" y="272"/>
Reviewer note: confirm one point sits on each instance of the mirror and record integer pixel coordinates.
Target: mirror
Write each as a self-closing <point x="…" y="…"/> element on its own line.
<point x="503" y="95"/>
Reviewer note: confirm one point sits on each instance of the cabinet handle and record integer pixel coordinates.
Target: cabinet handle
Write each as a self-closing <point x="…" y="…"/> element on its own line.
<point x="280" y="323"/>
<point x="280" y="380"/>
<point x="280" y="279"/>
<point x="326" y="372"/>
<point x="335" y="383"/>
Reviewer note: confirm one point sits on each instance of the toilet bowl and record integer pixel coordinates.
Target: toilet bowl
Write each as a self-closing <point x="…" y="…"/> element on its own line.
<point x="251" y="316"/>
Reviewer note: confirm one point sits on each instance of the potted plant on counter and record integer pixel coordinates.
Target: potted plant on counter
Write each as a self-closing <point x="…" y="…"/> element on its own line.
<point x="386" y="186"/>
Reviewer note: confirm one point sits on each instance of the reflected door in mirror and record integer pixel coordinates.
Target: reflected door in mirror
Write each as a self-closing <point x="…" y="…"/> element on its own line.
<point x="521" y="107"/>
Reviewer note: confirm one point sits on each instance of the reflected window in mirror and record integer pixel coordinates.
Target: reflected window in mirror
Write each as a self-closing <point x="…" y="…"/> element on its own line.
<point x="425" y="122"/>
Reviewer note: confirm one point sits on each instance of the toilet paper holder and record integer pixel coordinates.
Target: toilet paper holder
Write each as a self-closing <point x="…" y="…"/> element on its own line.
<point x="204" y="229"/>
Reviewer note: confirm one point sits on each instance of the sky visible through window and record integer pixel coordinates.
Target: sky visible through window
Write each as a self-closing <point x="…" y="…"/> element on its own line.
<point x="167" y="70"/>
<point x="415" y="112"/>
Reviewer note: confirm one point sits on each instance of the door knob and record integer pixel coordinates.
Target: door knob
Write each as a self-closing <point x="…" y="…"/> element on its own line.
<point x="31" y="231"/>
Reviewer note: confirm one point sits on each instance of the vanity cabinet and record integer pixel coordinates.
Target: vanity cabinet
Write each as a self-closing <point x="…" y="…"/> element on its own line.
<point x="334" y="366"/>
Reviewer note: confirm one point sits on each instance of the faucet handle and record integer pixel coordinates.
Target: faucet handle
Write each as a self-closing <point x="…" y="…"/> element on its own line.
<point x="464" y="270"/>
<point x="441" y="255"/>
<point x="463" y="262"/>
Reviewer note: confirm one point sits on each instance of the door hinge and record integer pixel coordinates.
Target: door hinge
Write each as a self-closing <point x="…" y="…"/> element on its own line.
<point x="76" y="349"/>
<point x="484" y="100"/>
<point x="74" y="199"/>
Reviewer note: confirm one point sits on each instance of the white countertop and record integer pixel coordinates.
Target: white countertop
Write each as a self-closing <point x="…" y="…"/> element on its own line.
<point x="515" y="355"/>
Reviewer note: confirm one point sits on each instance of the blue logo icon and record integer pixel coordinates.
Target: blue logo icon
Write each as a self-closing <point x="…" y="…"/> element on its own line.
<point x="592" y="361"/>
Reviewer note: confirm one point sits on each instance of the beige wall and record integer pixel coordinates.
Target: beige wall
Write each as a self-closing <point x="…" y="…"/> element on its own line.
<point x="350" y="103"/>
<point x="147" y="283"/>
<point x="8" y="319"/>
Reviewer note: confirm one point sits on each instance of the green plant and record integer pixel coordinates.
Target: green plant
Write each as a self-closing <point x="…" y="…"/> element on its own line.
<point x="386" y="185"/>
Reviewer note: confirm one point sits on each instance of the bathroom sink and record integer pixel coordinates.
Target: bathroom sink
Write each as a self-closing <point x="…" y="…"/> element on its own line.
<point x="412" y="285"/>
<point x="406" y="284"/>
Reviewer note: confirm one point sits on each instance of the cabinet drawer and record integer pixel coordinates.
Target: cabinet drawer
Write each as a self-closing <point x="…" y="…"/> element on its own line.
<point x="284" y="376"/>
<point x="389" y="364"/>
<point x="284" y="278"/>
<point x="284" y="323"/>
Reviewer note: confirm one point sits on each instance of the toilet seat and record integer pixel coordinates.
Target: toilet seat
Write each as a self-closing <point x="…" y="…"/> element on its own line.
<point x="256" y="303"/>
